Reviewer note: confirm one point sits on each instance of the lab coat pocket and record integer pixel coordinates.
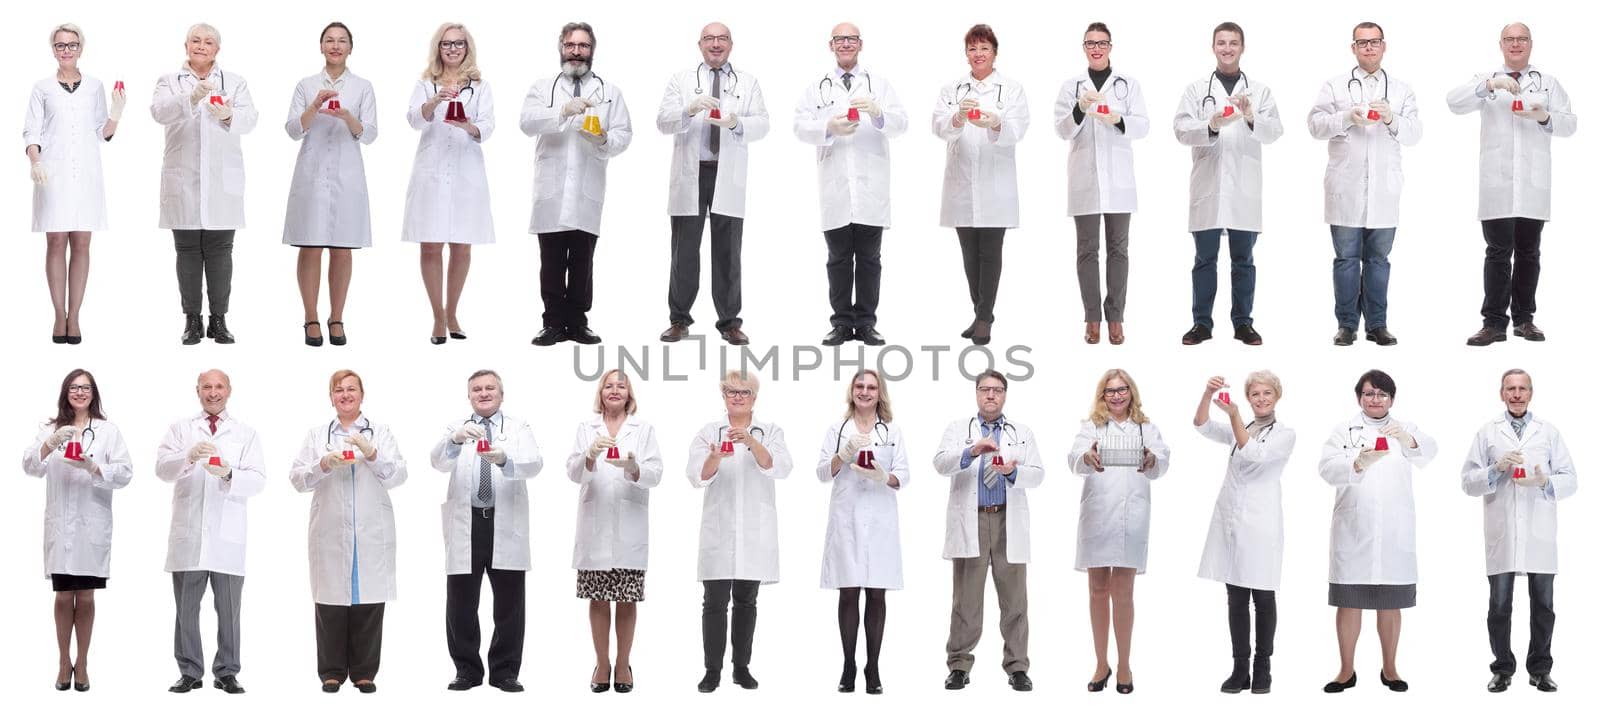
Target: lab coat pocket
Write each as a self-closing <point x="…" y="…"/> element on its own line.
<point x="548" y="174"/>
<point x="233" y="181"/>
<point x="1539" y="170"/>
<point x="594" y="183"/>
<point x="232" y="527"/>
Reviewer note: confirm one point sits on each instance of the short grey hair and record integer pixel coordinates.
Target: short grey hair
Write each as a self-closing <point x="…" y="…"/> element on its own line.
<point x="1264" y="377"/>
<point x="748" y="380"/>
<point x="1515" y="371"/>
<point x="203" y="28"/>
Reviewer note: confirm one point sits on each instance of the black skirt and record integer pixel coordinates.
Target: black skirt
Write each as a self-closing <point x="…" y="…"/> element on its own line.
<point x="1372" y="596"/>
<point x="75" y="582"/>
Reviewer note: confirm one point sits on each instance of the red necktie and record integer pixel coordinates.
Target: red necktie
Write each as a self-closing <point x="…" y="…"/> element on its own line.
<point x="213" y="420"/>
<point x="1515" y="75"/>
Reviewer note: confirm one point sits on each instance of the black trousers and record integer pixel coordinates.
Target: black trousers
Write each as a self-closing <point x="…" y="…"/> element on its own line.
<point x="854" y="262"/>
<point x="980" y="254"/>
<point x="566" y="277"/>
<point x="727" y="242"/>
<point x="349" y="641"/>
<point x="1541" y="622"/>
<point x="1510" y="270"/>
<point x="1266" y="601"/>
<point x="462" y="593"/>
<point x="204" y="255"/>
<point x="714" y="620"/>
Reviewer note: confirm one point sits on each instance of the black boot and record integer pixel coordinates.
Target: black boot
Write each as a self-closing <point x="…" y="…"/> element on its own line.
<point x="1239" y="680"/>
<point x="1263" y="675"/>
<point x="217" y="330"/>
<point x="193" y="329"/>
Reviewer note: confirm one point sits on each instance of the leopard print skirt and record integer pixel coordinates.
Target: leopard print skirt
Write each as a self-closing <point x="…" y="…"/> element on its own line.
<point x="613" y="585"/>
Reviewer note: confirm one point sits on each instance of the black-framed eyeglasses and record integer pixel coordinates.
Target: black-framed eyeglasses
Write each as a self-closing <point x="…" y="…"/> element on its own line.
<point x="1096" y="44"/>
<point x="1119" y="390"/>
<point x="570" y="46"/>
<point x="1363" y="44"/>
<point x="64" y="46"/>
<point x="85" y="389"/>
<point x="452" y="44"/>
<point x="846" y="39"/>
<point x="737" y="393"/>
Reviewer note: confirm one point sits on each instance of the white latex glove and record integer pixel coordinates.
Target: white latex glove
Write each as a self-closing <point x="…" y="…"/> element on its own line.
<point x="592" y="138"/>
<point x="119" y="101"/>
<point x="847" y="451"/>
<point x="495" y="454"/>
<point x="867" y="105"/>
<point x="1246" y="107"/>
<point x="576" y="105"/>
<point x="1385" y="114"/>
<point x="1535" y="113"/>
<point x="1092" y="458"/>
<point x="362" y="445"/>
<point x="221" y="112"/>
<point x="467" y="433"/>
<point x="986" y="120"/>
<point x="1367" y="457"/>
<point x="599" y="446"/>
<point x="201" y="451"/>
<point x="1149" y="461"/>
<point x="38" y="174"/>
<point x="1398" y="434"/>
<point x="1508" y="461"/>
<point x="967" y="104"/>
<point x="1536" y="479"/>
<point x="1220" y="120"/>
<point x="629" y="465"/>
<point x="218" y="471"/>
<point x="1110" y="118"/>
<point x="202" y="89"/>
<point x="334" y="459"/>
<point x="1358" y="115"/>
<point x="701" y="103"/>
<point x="726" y="121"/>
<point x="85" y="465"/>
<point x="874" y="473"/>
<point x="841" y="126"/>
<point x="60" y="437"/>
<point x="1087" y="101"/>
<point x="1502" y="83"/>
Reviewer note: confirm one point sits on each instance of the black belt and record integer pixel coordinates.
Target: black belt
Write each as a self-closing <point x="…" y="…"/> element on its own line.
<point x="484" y="512"/>
<point x="991" y="509"/>
<point x="708" y="164"/>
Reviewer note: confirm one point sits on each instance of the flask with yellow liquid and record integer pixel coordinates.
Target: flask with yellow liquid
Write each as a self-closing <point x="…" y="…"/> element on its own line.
<point x="591" y="123"/>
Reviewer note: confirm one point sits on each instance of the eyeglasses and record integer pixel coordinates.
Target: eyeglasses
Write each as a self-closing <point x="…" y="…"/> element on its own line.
<point x="1096" y="44"/>
<point x="452" y="44"/>
<point x="716" y="38"/>
<point x="737" y="393"/>
<point x="1519" y="40"/>
<point x="570" y="46"/>
<point x="1364" y="44"/>
<point x="1374" y="395"/>
<point x="85" y="389"/>
<point x="64" y="46"/>
<point x="992" y="390"/>
<point x="1120" y="390"/>
<point x="846" y="39"/>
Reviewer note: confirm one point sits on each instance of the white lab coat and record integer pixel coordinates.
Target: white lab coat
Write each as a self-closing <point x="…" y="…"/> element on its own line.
<point x="961" y="507"/>
<point x="1114" y="508"/>
<point x="461" y="462"/>
<point x="1362" y="184"/>
<point x="1373" y="539"/>
<point x="447" y="200"/>
<point x="1244" y="546"/>
<point x="68" y="127"/>
<point x="569" y="173"/>
<point x="1519" y="523"/>
<point x="741" y="94"/>
<point x="739" y="515"/>
<point x="1100" y="161"/>
<point x="351" y="515"/>
<point x="209" y="526"/>
<point x="202" y="169"/>
<point x="980" y="165"/>
<point x="1514" y="153"/>
<point x="613" y="529"/>
<point x="77" y="504"/>
<point x="328" y="195"/>
<point x="861" y="547"/>
<point x="853" y="171"/>
<point x="1225" y="183"/>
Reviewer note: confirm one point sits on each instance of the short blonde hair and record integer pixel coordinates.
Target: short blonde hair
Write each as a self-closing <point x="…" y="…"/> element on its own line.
<point x="600" y="389"/>
<point x="469" y="64"/>
<point x="885" y="412"/>
<point x="67" y="27"/>
<point x="203" y="28"/>
<point x="1264" y="377"/>
<point x="743" y="378"/>
<point x="340" y="375"/>
<point x="1099" y="414"/>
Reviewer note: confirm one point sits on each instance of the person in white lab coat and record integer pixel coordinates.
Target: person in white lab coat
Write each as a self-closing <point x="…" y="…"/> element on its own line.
<point x="82" y="458"/>
<point x="1519" y="109"/>
<point x="215" y="465"/>
<point x="350" y="465"/>
<point x="712" y="116"/>
<point x="331" y="114"/>
<point x="1372" y="547"/>
<point x="1366" y="116"/>
<point x="204" y="112"/>
<point x="1118" y="451"/>
<point x="61" y="135"/>
<point x="581" y="122"/>
<point x="991" y="462"/>
<point x="852" y="179"/>
<point x="736" y="460"/>
<point x="1226" y="119"/>
<point x="615" y="462"/>
<point x="864" y="456"/>
<point x="1100" y="176"/>
<point x="1520" y="466"/>
<point x="489" y="457"/>
<point x="1244" y="547"/>
<point x="981" y="117"/>
<point x="447" y="201"/>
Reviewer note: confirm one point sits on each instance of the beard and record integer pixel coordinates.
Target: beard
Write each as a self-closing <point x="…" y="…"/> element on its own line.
<point x="574" y="68"/>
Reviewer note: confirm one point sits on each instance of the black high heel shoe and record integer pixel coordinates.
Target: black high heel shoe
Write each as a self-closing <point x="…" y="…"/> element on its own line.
<point x="82" y="686"/>
<point x="600" y="687"/>
<point x="340" y="339"/>
<point x="1125" y="688"/>
<point x="847" y="679"/>
<point x="311" y="340"/>
<point x="874" y="684"/>
<point x="436" y="340"/>
<point x="71" y="338"/>
<point x="64" y="685"/>
<point x="1100" y="684"/>
<point x="624" y="687"/>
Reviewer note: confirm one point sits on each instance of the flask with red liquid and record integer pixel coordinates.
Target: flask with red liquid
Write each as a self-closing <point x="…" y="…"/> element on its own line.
<point x="853" y="114"/>
<point x="1519" y="473"/>
<point x="483" y="445"/>
<point x="455" y="112"/>
<point x="215" y="461"/>
<point x="613" y="453"/>
<point x="73" y="451"/>
<point x="1381" y="444"/>
<point x="1224" y="398"/>
<point x="1516" y="105"/>
<point x="727" y="447"/>
<point x="1103" y="109"/>
<point x="1373" y="115"/>
<point x="333" y="104"/>
<point x="350" y="455"/>
<point x="1227" y="111"/>
<point x="716" y="113"/>
<point x="864" y="459"/>
<point x="117" y="86"/>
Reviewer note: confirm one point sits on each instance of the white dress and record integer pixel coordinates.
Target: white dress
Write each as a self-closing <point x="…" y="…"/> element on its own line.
<point x="448" y="198"/>
<point x="67" y="126"/>
<point x="328" y="196"/>
<point x="862" y="545"/>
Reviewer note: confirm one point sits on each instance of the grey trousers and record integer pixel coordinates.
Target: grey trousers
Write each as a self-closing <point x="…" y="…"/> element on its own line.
<point x="966" y="599"/>
<point x="188" y="590"/>
<point x="727" y="240"/>
<point x="204" y="254"/>
<point x="1116" y="296"/>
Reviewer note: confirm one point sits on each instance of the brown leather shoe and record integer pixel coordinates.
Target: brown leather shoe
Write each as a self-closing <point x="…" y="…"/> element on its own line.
<point x="1091" y="332"/>
<point x="735" y="337"/>
<point x="1116" y="333"/>
<point x="675" y="332"/>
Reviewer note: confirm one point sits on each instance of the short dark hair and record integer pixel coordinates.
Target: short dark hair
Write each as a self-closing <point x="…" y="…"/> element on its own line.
<point x="992" y="373"/>
<point x="1378" y="379"/>
<point x="982" y="33"/>
<point x="1232" y="27"/>
<point x="1098" y="27"/>
<point x="1368" y="25"/>
<point x="341" y="26"/>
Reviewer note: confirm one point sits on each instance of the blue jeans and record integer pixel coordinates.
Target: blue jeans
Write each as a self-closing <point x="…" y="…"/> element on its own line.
<point x="1204" y="275"/>
<point x="1361" y="276"/>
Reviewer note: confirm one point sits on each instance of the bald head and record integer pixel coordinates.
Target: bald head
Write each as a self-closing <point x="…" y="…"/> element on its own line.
<point x="845" y="42"/>
<point x="716" y="44"/>
<point x="1516" y="46"/>
<point x="213" y="388"/>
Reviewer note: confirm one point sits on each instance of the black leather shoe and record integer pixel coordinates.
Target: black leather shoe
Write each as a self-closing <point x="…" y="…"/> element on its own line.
<point x="185" y="684"/>
<point x="311" y="340"/>
<point x="847" y="679"/>
<point x="1381" y="336"/>
<point x="549" y="336"/>
<point x="1020" y="682"/>
<point x="1526" y="330"/>
<point x="980" y="333"/>
<point x="1393" y="684"/>
<point x="1500" y="682"/>
<point x="710" y="682"/>
<point x="1334" y="687"/>
<point x="366" y="687"/>
<point x="600" y="687"/>
<point x="330" y="687"/>
<point x="1197" y="335"/>
<point x="874" y="684"/>
<point x="1542" y="682"/>
<point x="462" y="683"/>
<point x="735" y="337"/>
<point x="1486" y="336"/>
<point x="742" y="677"/>
<point x="217" y="330"/>
<point x="956" y="681"/>
<point x="1345" y="337"/>
<point x="510" y="686"/>
<point x="583" y="335"/>
<point x="870" y="336"/>
<point x="675" y="332"/>
<point x="624" y="687"/>
<point x="339" y="340"/>
<point x="1247" y="335"/>
<point x="970" y="328"/>
<point x="193" y="329"/>
<point x="1261" y="676"/>
<point x="229" y="684"/>
<point x="838" y="336"/>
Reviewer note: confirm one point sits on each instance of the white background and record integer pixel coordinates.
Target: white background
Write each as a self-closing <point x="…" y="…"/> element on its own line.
<point x="131" y="325"/>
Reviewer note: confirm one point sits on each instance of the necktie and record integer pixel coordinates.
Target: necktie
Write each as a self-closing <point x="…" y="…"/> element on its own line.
<point x="213" y="420"/>
<point x="1518" y="423"/>
<point x="1515" y="75"/>
<point x="577" y="89"/>
<point x="990" y="477"/>
<point x="846" y="78"/>
<point x="485" y="481"/>
<point x="715" y="142"/>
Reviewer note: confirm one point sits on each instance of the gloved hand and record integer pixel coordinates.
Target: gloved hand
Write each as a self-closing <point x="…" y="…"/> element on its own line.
<point x="334" y="459"/>
<point x="1110" y="118"/>
<point x="1092" y="458"/>
<point x="875" y="473"/>
<point x="592" y="138"/>
<point x="119" y="101"/>
<point x="959" y="119"/>
<point x="221" y="112"/>
<point x="1367" y="457"/>
<point x="362" y="445"/>
<point x="868" y="106"/>
<point x="1535" y="113"/>
<point x="1149" y="461"/>
<point x="1537" y="478"/>
<point x="201" y="451"/>
<point x="1385" y="114"/>
<point x="218" y="471"/>
<point x="1220" y="120"/>
<point x="576" y="105"/>
<point x="61" y="436"/>
<point x="841" y="126"/>
<point x="1358" y="116"/>
<point x="467" y="433"/>
<point x="629" y="465"/>
<point x="1508" y="461"/>
<point x="701" y="103"/>
<point x="202" y="89"/>
<point x="1502" y="83"/>
<point x="599" y="446"/>
<point x="1398" y="434"/>
<point x="495" y="454"/>
<point x="1087" y="101"/>
<point x="726" y="121"/>
<point x="445" y="94"/>
<point x="39" y="176"/>
<point x="847" y="451"/>
<point x="986" y="120"/>
<point x="1247" y="109"/>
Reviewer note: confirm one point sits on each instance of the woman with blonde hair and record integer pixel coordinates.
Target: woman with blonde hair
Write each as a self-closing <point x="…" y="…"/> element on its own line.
<point x="447" y="202"/>
<point x="1118" y="451"/>
<point x="615" y="462"/>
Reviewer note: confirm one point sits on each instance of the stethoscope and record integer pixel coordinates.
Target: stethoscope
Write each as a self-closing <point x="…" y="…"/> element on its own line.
<point x="474" y="92"/>
<point x="601" y="91"/>
<point x="1119" y="88"/>
<point x="761" y="435"/>
<point x="826" y="87"/>
<point x="1360" y="92"/>
<point x="1260" y="437"/>
<point x="498" y="429"/>
<point x="1352" y="438"/>
<point x="85" y="438"/>
<point x="222" y="79"/>
<point x="1243" y="79"/>
<point x="1007" y="430"/>
<point x="1535" y="81"/>
<point x="966" y="88"/>
<point x="880" y="434"/>
<point x="733" y="80"/>
<point x="365" y="426"/>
